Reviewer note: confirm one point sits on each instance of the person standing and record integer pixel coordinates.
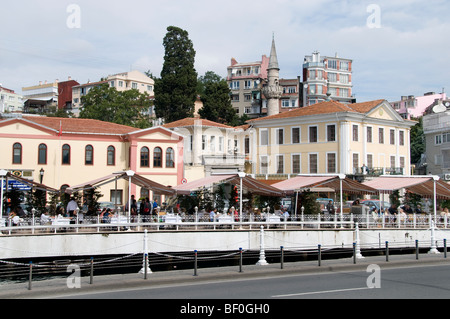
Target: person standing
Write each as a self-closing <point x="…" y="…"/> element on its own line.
<point x="72" y="206"/>
<point x="330" y="207"/>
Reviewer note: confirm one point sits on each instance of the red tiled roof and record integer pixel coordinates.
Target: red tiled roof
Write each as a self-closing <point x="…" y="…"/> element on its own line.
<point x="324" y="108"/>
<point x="191" y="121"/>
<point x="77" y="125"/>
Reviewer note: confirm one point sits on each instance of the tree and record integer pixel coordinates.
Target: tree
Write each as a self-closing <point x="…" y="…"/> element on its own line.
<point x="176" y="90"/>
<point x="209" y="77"/>
<point x="417" y="141"/>
<point x="105" y="103"/>
<point x="217" y="103"/>
<point x="36" y="199"/>
<point x="215" y="95"/>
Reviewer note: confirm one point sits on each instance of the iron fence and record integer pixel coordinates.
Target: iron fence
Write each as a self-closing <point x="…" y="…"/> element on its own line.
<point x="90" y="224"/>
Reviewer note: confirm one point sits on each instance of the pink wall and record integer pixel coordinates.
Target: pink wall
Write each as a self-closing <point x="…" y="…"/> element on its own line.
<point x="422" y="103"/>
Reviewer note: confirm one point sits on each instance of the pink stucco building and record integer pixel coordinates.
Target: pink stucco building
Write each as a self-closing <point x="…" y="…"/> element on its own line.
<point x="415" y="106"/>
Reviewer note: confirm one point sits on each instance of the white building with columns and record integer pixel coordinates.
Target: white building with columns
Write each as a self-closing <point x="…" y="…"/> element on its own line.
<point x="211" y="147"/>
<point x="333" y="138"/>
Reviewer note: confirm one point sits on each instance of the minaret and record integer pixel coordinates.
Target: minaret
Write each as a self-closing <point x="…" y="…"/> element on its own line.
<point x="272" y="91"/>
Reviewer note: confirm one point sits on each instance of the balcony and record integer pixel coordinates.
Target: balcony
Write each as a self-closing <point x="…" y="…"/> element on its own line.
<point x="313" y="64"/>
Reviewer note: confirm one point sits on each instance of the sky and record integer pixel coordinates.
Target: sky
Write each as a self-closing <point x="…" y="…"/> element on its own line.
<point x="398" y="47"/>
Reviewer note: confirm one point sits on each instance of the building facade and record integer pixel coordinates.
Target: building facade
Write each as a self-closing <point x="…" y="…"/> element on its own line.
<point x="324" y="75"/>
<point x="245" y="81"/>
<point x="414" y="106"/>
<point x="211" y="147"/>
<point x="436" y="128"/>
<point x="121" y="81"/>
<point x="41" y="98"/>
<point x="10" y="101"/>
<point x="71" y="151"/>
<point x="332" y="138"/>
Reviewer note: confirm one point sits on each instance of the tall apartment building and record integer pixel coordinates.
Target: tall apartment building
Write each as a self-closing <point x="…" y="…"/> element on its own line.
<point x="10" y="101"/>
<point x="245" y="81"/>
<point x="323" y="76"/>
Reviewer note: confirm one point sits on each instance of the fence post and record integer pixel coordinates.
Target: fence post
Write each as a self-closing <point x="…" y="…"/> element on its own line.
<point x="145" y="268"/>
<point x="282" y="257"/>
<point x="417" y="249"/>
<point x="30" y="276"/>
<point x="445" y="248"/>
<point x="262" y="256"/>
<point x="319" y="254"/>
<point x="387" y="251"/>
<point x="240" y="259"/>
<point x="433" y="249"/>
<point x="91" y="280"/>
<point x="195" y="262"/>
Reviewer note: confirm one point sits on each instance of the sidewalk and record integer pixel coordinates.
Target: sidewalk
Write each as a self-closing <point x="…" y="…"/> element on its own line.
<point x="58" y="287"/>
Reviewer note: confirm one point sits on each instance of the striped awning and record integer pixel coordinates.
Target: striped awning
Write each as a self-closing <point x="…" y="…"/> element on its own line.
<point x="305" y="182"/>
<point x="136" y="179"/>
<point x="248" y="183"/>
<point x="421" y="185"/>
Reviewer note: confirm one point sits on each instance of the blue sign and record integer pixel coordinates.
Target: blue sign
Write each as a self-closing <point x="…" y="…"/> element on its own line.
<point x="13" y="184"/>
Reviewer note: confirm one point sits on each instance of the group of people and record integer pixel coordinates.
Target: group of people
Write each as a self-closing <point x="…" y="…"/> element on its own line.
<point x="16" y="215"/>
<point x="234" y="213"/>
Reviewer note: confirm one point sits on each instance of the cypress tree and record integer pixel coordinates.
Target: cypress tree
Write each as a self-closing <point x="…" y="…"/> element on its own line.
<point x="176" y="90"/>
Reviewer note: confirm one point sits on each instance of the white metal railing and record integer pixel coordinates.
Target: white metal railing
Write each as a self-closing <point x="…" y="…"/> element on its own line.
<point x="203" y="222"/>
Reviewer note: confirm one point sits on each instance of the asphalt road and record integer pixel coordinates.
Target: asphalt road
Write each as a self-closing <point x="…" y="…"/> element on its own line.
<point x="402" y="277"/>
<point x="407" y="282"/>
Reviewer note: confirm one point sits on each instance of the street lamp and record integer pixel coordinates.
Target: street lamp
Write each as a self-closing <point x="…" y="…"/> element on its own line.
<point x="41" y="175"/>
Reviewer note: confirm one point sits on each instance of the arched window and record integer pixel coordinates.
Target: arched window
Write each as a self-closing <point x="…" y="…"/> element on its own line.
<point x="17" y="153"/>
<point x="170" y="157"/>
<point x="145" y="157"/>
<point x="111" y="156"/>
<point x="157" y="157"/>
<point x="42" y="154"/>
<point x="66" y="154"/>
<point x="89" y="155"/>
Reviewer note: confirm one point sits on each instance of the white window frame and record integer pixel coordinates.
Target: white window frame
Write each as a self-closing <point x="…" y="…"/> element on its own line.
<point x="299" y="163"/>
<point x="261" y="162"/>
<point x="335" y="132"/>
<point x="261" y="131"/>
<point x="309" y="162"/>
<point x="299" y="134"/>
<point x="277" y="157"/>
<point x="317" y="131"/>
<point x="277" y="132"/>
<point x="335" y="163"/>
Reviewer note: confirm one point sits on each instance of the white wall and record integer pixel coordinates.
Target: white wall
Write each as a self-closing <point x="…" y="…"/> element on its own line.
<point x="28" y="246"/>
